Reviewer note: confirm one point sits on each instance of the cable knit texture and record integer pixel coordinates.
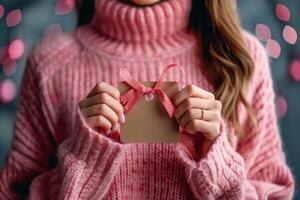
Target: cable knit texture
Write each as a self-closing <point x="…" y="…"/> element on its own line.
<point x="55" y="155"/>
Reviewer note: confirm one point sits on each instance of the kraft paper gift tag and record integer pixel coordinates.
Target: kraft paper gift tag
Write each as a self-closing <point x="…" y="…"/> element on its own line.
<point x="148" y="121"/>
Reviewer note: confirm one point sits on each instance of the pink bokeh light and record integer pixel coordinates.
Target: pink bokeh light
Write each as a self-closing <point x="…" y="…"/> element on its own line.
<point x="1" y="10"/>
<point x="52" y="29"/>
<point x="283" y="12"/>
<point x="9" y="67"/>
<point x="3" y="54"/>
<point x="16" y="49"/>
<point x="64" y="7"/>
<point x="7" y="91"/>
<point x="69" y="2"/>
<point x="273" y="48"/>
<point x="263" y="32"/>
<point x="290" y="34"/>
<point x="13" y="18"/>
<point x="295" y="70"/>
<point x="281" y="106"/>
<point x="234" y="4"/>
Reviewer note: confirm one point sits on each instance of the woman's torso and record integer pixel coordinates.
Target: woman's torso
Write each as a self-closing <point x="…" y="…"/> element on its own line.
<point x="149" y="170"/>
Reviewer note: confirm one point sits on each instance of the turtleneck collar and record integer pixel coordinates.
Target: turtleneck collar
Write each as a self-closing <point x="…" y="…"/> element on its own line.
<point x="128" y="23"/>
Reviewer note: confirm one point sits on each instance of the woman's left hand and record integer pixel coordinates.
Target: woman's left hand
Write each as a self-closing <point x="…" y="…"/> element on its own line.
<point x="196" y="110"/>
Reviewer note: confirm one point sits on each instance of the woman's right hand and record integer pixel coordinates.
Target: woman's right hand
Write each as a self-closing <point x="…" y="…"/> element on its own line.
<point x="102" y="108"/>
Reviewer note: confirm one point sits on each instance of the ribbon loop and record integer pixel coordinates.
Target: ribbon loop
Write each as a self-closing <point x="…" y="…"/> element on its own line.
<point x="131" y="97"/>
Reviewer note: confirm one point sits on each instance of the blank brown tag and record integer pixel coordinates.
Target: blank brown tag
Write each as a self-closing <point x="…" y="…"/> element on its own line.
<point x="148" y="121"/>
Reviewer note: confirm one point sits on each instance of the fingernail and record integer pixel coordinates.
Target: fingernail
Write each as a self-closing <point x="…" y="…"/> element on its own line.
<point x="115" y="127"/>
<point x="107" y="131"/>
<point x="122" y="118"/>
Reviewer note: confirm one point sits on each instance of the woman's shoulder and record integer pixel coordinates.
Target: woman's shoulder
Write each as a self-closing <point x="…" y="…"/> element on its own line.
<point x="258" y="54"/>
<point x="52" y="45"/>
<point x="255" y="47"/>
<point x="53" y="52"/>
<point x="261" y="66"/>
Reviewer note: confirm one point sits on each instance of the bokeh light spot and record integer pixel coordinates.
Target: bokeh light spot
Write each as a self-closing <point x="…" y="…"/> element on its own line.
<point x="283" y="12"/>
<point x="234" y="4"/>
<point x="7" y="91"/>
<point x="9" y="67"/>
<point x="3" y="54"/>
<point x="281" y="106"/>
<point x="1" y="10"/>
<point x="263" y="32"/>
<point x="64" y="7"/>
<point x="290" y="34"/>
<point x="13" y="18"/>
<point x="273" y="48"/>
<point x="52" y="29"/>
<point x="295" y="70"/>
<point x="69" y="2"/>
<point x="16" y="49"/>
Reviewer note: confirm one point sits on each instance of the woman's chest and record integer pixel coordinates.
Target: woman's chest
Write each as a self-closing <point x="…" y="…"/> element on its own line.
<point x="72" y="83"/>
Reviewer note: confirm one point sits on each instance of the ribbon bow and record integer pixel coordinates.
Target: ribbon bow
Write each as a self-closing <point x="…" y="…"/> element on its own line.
<point x="131" y="97"/>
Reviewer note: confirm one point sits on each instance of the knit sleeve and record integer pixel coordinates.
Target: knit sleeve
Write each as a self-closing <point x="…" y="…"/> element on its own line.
<point x="255" y="170"/>
<point x="83" y="165"/>
<point x="32" y="144"/>
<point x="89" y="160"/>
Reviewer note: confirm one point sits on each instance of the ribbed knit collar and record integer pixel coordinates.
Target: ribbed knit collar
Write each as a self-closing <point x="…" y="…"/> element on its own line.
<point x="128" y="23"/>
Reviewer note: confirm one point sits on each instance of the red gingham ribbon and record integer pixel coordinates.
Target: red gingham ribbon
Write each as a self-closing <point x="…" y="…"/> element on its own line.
<point x="131" y="97"/>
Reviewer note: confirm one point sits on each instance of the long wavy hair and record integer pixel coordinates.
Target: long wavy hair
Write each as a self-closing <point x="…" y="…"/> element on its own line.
<point x="227" y="60"/>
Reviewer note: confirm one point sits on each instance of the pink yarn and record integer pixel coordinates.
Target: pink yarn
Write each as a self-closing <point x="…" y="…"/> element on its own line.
<point x="56" y="155"/>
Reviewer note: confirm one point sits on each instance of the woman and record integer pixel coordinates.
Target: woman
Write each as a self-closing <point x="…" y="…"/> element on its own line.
<point x="230" y="147"/>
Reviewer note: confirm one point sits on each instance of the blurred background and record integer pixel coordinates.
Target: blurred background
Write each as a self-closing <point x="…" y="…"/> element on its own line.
<point x="274" y="22"/>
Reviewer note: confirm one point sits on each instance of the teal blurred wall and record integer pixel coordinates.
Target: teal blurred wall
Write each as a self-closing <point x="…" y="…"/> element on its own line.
<point x="38" y="16"/>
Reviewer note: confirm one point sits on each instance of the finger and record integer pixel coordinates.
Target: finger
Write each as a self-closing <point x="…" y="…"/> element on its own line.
<point x="106" y="88"/>
<point x="103" y="98"/>
<point x="211" y="116"/>
<point x="210" y="130"/>
<point x="191" y="91"/>
<point x="99" y="121"/>
<point x="100" y="109"/>
<point x="195" y="102"/>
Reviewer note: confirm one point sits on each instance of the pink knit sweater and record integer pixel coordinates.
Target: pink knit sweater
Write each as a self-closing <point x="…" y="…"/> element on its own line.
<point x="55" y="155"/>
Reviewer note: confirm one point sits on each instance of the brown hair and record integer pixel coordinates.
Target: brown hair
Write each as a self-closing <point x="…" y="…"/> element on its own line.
<point x="227" y="61"/>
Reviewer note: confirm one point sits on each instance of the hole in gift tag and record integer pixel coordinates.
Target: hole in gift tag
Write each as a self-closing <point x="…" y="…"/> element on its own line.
<point x="149" y="96"/>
